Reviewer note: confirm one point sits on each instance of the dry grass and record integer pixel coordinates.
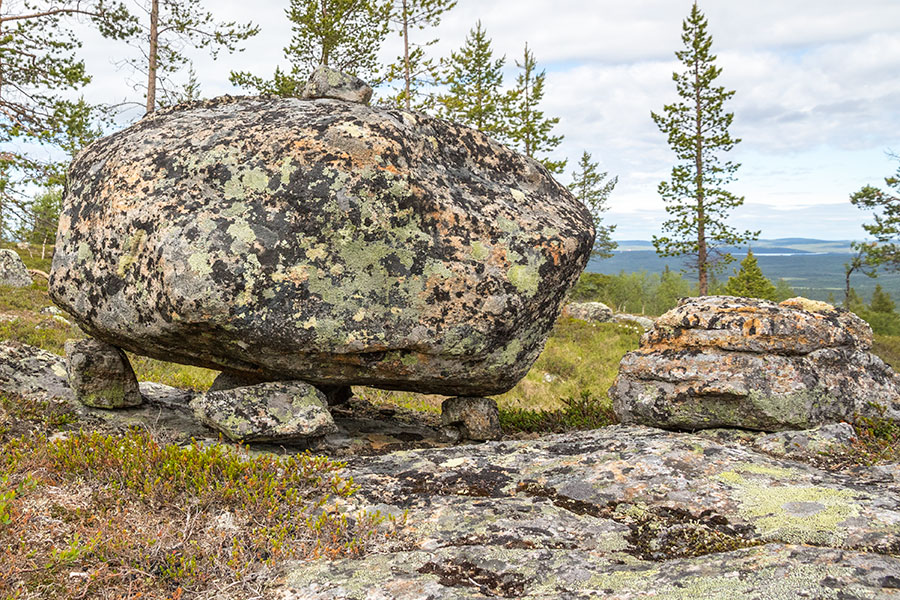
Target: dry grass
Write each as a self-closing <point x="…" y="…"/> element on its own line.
<point x="92" y="515"/>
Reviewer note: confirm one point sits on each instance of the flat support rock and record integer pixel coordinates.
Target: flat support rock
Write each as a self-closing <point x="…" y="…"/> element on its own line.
<point x="278" y="411"/>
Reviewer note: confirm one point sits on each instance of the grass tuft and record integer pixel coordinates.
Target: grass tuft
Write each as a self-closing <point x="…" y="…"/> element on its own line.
<point x="129" y="513"/>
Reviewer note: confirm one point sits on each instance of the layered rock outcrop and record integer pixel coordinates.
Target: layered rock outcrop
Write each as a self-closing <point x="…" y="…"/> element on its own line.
<point x="319" y="240"/>
<point x="721" y="361"/>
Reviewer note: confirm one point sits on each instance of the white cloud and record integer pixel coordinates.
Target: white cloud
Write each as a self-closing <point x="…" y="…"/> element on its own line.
<point x="815" y="79"/>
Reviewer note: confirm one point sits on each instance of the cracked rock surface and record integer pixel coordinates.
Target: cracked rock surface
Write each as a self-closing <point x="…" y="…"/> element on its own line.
<point x="622" y="512"/>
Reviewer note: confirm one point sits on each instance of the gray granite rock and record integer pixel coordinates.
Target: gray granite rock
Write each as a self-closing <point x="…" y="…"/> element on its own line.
<point x="330" y="83"/>
<point x="319" y="240"/>
<point x="31" y="372"/>
<point x="278" y="411"/>
<point x="621" y="512"/>
<point x="588" y="311"/>
<point x="12" y="270"/>
<point x="720" y="361"/>
<point x="476" y="418"/>
<point x="100" y="375"/>
<point x="833" y="437"/>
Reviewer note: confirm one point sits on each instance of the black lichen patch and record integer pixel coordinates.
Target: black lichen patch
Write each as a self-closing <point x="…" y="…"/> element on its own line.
<point x="461" y="573"/>
<point x="658" y="532"/>
<point x="486" y="482"/>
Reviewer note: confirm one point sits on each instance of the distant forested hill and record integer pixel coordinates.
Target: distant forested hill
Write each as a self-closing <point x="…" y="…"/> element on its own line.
<point x="814" y="268"/>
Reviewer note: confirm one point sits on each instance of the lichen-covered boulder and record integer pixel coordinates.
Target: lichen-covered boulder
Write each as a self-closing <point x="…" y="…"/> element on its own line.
<point x="330" y="83"/>
<point x="12" y="270"/>
<point x="319" y="240"/>
<point x="277" y="411"/>
<point x="588" y="311"/>
<point x="33" y="373"/>
<point x="720" y="361"/>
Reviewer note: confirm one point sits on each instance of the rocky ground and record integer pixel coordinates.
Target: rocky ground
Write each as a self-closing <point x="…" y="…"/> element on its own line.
<point x="618" y="512"/>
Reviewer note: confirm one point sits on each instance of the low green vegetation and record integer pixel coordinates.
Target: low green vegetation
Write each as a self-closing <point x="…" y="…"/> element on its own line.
<point x="92" y="514"/>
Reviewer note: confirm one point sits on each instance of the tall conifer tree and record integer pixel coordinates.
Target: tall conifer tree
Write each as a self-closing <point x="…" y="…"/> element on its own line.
<point x="529" y="130"/>
<point x="474" y="78"/>
<point x="414" y="70"/>
<point x="697" y="129"/>
<point x="593" y="189"/>
<point x="342" y="34"/>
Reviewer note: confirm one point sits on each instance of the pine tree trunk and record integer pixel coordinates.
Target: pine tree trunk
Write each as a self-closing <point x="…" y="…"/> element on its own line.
<point x="847" y="287"/>
<point x="406" y="68"/>
<point x="154" y="56"/>
<point x="702" y="253"/>
<point x="324" y="46"/>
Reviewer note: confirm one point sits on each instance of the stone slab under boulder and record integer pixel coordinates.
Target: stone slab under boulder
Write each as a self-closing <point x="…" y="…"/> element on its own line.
<point x="319" y="240"/>
<point x="476" y="419"/>
<point x="13" y="271"/>
<point x="277" y="411"/>
<point x="100" y="375"/>
<point x="720" y="361"/>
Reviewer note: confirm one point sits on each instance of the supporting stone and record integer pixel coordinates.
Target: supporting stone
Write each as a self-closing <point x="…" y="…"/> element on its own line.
<point x="276" y="411"/>
<point x="100" y="375"/>
<point x="476" y="418"/>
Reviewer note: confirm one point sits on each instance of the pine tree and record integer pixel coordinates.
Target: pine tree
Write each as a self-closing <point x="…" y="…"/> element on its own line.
<point x="39" y="71"/>
<point x="170" y="26"/>
<point x="529" y="129"/>
<point x="697" y="130"/>
<point x="593" y="188"/>
<point x="881" y="301"/>
<point x="474" y="78"/>
<point x="414" y="70"/>
<point x="885" y="251"/>
<point x="342" y="34"/>
<point x="750" y="282"/>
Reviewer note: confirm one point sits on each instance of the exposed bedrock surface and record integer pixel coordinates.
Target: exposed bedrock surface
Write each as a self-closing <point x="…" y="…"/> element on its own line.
<point x="319" y="240"/>
<point x="721" y="361"/>
<point x="620" y="512"/>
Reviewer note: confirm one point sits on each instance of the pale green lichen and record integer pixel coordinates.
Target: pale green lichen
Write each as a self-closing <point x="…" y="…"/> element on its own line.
<point x="479" y="251"/>
<point x="84" y="252"/>
<point x="791" y="513"/>
<point x="525" y="278"/>
<point x="241" y="183"/>
<point x="199" y="263"/>
<point x="134" y="247"/>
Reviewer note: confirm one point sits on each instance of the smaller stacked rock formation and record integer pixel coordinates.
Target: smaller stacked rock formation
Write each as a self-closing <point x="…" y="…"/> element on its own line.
<point x="720" y="361"/>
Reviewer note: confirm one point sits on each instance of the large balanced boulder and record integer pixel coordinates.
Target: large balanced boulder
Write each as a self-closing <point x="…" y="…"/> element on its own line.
<point x="720" y="361"/>
<point x="320" y="240"/>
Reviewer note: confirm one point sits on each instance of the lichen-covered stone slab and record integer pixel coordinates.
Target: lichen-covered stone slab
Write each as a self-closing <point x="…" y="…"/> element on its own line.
<point x="319" y="240"/>
<point x="721" y="361"/>
<point x="100" y="375"/>
<point x="330" y="83"/>
<point x="34" y="373"/>
<point x="622" y="512"/>
<point x="282" y="411"/>
<point x="12" y="270"/>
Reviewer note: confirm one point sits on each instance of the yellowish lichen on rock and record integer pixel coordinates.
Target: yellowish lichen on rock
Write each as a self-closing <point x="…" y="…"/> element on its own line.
<point x="807" y="304"/>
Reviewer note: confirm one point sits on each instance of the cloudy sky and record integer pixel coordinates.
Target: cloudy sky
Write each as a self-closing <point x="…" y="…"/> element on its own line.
<point x="817" y="103"/>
